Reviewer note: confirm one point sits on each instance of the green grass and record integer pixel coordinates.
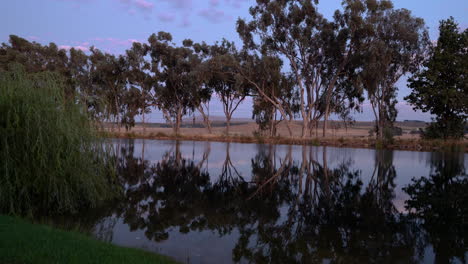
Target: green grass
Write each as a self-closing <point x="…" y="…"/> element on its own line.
<point x="23" y="242"/>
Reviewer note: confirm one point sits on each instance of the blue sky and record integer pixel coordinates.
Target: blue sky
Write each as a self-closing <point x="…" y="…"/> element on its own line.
<point x="112" y="25"/>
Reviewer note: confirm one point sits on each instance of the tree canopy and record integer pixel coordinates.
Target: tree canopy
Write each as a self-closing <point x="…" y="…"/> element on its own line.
<point x="441" y="86"/>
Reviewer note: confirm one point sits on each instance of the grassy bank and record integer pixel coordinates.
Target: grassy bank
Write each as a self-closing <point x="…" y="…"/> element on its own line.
<point x="23" y="242"/>
<point x="363" y="142"/>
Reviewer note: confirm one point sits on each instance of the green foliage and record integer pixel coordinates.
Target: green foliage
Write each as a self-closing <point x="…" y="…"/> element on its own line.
<point x="51" y="160"/>
<point x="258" y="137"/>
<point x="441" y="87"/>
<point x="395" y="46"/>
<point x="388" y="134"/>
<point x="178" y="86"/>
<point x="379" y="144"/>
<point x="445" y="128"/>
<point x="23" y="242"/>
<point x="161" y="134"/>
<point x="221" y="75"/>
<point x="315" y="142"/>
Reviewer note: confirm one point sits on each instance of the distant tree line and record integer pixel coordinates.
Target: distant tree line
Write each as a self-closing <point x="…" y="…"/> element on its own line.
<point x="294" y="63"/>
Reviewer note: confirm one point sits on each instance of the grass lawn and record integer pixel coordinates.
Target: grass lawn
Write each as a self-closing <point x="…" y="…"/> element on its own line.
<point x="23" y="242"/>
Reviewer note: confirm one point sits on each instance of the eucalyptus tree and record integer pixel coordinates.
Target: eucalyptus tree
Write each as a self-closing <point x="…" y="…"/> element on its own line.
<point x="224" y="79"/>
<point x="80" y="67"/>
<point x="342" y="41"/>
<point x="140" y="81"/>
<point x="108" y="76"/>
<point x="441" y="87"/>
<point x="37" y="58"/>
<point x="176" y="75"/>
<point x="73" y="65"/>
<point x="273" y="91"/>
<point x="290" y="29"/>
<point x="395" y="45"/>
<point x="202" y="93"/>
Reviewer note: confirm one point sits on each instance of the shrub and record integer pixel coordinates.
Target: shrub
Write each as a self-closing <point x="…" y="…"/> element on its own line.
<point x="445" y="129"/>
<point x="161" y="134"/>
<point x="315" y="142"/>
<point x="51" y="161"/>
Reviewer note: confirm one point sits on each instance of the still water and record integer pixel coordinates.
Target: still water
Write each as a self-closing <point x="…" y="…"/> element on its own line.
<point x="202" y="202"/>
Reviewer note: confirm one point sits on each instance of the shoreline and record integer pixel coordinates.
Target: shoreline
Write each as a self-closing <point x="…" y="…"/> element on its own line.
<point x="342" y="142"/>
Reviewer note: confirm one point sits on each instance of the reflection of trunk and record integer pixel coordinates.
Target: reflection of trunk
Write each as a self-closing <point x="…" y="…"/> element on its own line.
<point x="303" y="166"/>
<point x="285" y="165"/>
<point x="143" y="151"/>
<point x="229" y="173"/>
<point x="178" y="154"/>
<point x="325" y="170"/>
<point x="206" y="154"/>
<point x="381" y="183"/>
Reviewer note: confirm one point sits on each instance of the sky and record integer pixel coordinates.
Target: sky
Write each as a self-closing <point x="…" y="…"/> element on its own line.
<point x="112" y="25"/>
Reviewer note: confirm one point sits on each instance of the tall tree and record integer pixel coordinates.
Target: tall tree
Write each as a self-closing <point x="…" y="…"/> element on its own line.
<point x="203" y="92"/>
<point x="396" y="45"/>
<point x="140" y="81"/>
<point x="177" y="78"/>
<point x="290" y="29"/>
<point x="273" y="91"/>
<point x="441" y="87"/>
<point x="342" y="40"/>
<point x="224" y="78"/>
<point x="108" y="75"/>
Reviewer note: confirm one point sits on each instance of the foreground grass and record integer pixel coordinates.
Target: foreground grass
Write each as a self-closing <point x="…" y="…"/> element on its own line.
<point x="22" y="242"/>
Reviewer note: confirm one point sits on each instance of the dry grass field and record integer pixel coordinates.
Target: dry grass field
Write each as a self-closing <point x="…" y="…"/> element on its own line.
<point x="245" y="128"/>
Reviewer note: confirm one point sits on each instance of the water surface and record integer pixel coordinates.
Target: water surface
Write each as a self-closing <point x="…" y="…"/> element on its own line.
<point x="203" y="202"/>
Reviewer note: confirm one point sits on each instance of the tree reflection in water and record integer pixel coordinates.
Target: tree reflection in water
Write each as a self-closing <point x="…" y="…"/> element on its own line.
<point x="299" y="210"/>
<point x="440" y="202"/>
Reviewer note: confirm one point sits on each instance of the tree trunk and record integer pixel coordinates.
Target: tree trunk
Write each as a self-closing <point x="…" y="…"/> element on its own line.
<point x="325" y="123"/>
<point x="381" y="122"/>
<point x="288" y="125"/>
<point x="304" y="126"/>
<point x="228" y="124"/>
<point x="144" y="124"/>
<point x="206" y="119"/>
<point x="178" y="121"/>
<point x="331" y="86"/>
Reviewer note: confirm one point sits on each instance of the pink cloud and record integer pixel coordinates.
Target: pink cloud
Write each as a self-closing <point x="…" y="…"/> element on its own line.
<point x="181" y="4"/>
<point x="34" y="38"/>
<point x="144" y="5"/>
<point x="68" y="47"/>
<point x="117" y="43"/>
<point x="166" y="17"/>
<point x="236" y="3"/>
<point x="214" y="15"/>
<point x="185" y="21"/>
<point x="214" y="2"/>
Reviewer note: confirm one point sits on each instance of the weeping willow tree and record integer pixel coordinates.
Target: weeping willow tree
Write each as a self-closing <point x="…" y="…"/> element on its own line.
<point x="51" y="161"/>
